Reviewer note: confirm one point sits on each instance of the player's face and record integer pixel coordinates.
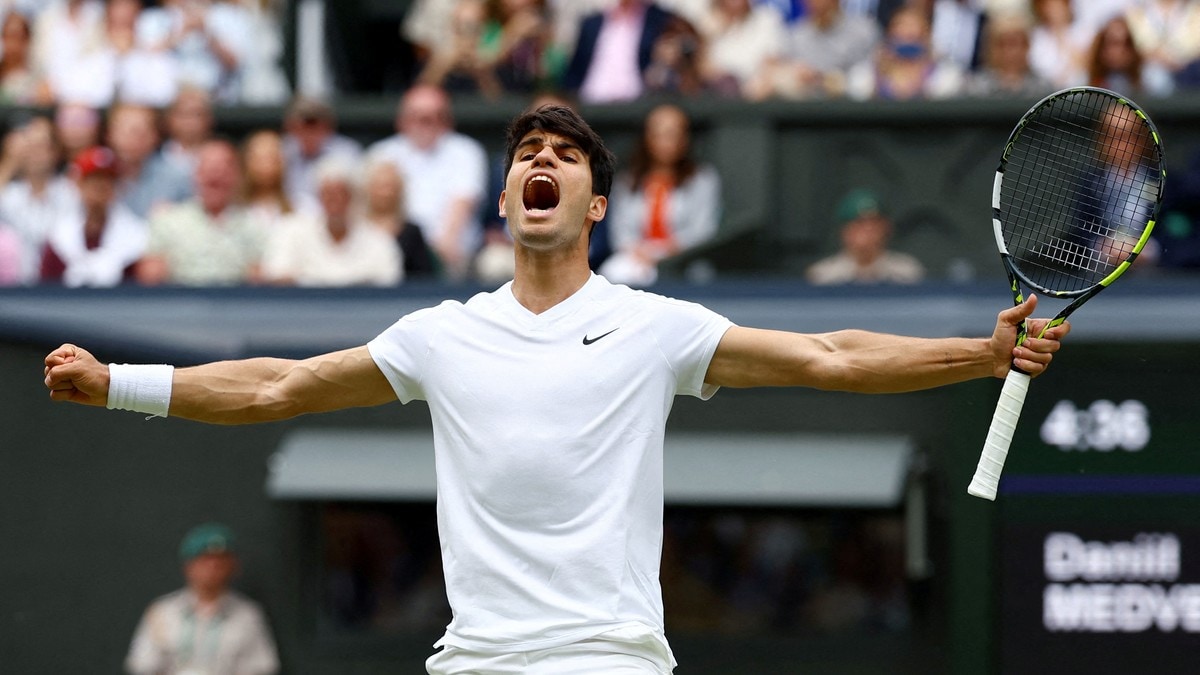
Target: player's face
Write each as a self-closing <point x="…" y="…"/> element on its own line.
<point x="547" y="196"/>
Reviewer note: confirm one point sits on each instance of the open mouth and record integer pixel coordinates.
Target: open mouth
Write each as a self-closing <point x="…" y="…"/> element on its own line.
<point x="540" y="194"/>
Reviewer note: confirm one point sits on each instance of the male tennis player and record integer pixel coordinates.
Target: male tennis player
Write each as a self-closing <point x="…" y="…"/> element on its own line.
<point x="549" y="398"/>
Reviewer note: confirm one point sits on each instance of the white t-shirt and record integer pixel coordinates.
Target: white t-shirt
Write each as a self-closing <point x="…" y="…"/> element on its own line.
<point x="548" y="436"/>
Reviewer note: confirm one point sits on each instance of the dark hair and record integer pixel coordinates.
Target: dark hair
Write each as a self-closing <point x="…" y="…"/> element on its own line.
<point x="641" y="162"/>
<point x="563" y="121"/>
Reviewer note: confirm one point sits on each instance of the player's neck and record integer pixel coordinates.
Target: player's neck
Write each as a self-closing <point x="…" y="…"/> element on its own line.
<point x="543" y="281"/>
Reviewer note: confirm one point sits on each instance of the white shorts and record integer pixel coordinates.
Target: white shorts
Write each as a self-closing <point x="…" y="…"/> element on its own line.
<point x="624" y="651"/>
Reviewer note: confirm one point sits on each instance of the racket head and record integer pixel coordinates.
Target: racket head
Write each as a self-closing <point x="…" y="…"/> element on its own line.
<point x="1077" y="191"/>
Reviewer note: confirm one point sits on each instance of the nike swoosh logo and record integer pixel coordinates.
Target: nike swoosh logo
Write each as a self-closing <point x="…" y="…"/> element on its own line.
<point x="587" y="340"/>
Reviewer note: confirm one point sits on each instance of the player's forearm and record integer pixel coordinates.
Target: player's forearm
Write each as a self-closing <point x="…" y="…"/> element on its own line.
<point x="861" y="361"/>
<point x="851" y="360"/>
<point x="233" y="392"/>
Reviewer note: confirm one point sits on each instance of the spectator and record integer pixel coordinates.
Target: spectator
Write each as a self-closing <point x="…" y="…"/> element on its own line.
<point x="445" y="173"/>
<point x="148" y="180"/>
<point x="263" y="81"/>
<point x="209" y="40"/>
<point x="517" y="42"/>
<point x="675" y="62"/>
<point x="1006" y="71"/>
<point x="32" y="193"/>
<point x="864" y="257"/>
<point x="264" y="189"/>
<point x="956" y="30"/>
<point x="335" y="247"/>
<point x="819" y="51"/>
<point x="384" y="208"/>
<point x="310" y="136"/>
<point x="62" y="34"/>
<point x="189" y="123"/>
<point x="458" y="64"/>
<point x="1058" y="44"/>
<point x="20" y="82"/>
<point x="1166" y="32"/>
<point x="613" y="51"/>
<point x="209" y="240"/>
<point x="1115" y="63"/>
<point x="904" y="66"/>
<point x="97" y="240"/>
<point x="77" y="126"/>
<point x="665" y="203"/>
<point x="427" y="24"/>
<point x="740" y="40"/>
<point x="205" y="627"/>
<point x="135" y="72"/>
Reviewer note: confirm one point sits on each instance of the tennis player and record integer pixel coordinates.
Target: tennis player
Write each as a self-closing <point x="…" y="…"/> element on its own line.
<point x="549" y="399"/>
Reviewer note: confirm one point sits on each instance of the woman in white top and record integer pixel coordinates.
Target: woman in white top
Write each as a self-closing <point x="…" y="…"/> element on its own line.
<point x="664" y="204"/>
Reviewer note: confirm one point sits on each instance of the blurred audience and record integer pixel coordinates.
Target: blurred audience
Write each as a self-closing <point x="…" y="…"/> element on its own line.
<point x="205" y="627"/>
<point x="383" y="202"/>
<point x="310" y="136"/>
<point x="188" y="122"/>
<point x="445" y="173"/>
<point x="864" y="258"/>
<point x="664" y="203"/>
<point x="334" y="247"/>
<point x="1006" y="69"/>
<point x="21" y="83"/>
<point x="904" y="66"/>
<point x="209" y="41"/>
<point x="96" y="240"/>
<point x="613" y="50"/>
<point x="819" y="51"/>
<point x="147" y="180"/>
<point x="32" y="192"/>
<point x="209" y="240"/>
<point x="124" y="67"/>
<point x="741" y="39"/>
<point x="1115" y="63"/>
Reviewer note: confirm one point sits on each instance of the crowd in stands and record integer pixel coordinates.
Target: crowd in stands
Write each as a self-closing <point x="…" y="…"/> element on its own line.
<point x="118" y="175"/>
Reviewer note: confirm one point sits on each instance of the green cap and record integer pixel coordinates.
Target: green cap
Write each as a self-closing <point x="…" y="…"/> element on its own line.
<point x="858" y="203"/>
<point x="206" y="538"/>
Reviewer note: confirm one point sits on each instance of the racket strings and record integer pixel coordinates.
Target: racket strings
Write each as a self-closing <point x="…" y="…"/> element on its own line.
<point x="1081" y="184"/>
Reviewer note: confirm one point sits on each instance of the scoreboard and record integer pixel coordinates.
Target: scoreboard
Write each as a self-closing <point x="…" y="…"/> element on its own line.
<point x="1098" y="532"/>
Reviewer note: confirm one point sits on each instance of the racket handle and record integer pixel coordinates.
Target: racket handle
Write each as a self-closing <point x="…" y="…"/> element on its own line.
<point x="1000" y="435"/>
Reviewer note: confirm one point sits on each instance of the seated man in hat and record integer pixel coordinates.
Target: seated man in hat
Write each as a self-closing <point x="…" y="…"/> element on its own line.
<point x="204" y="627"/>
<point x="864" y="257"/>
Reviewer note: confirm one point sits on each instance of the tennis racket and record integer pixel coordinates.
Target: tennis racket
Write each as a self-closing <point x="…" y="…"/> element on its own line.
<point x="1073" y="203"/>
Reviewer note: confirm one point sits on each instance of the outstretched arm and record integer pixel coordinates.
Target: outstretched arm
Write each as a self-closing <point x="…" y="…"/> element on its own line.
<point x="237" y="392"/>
<point x="865" y="362"/>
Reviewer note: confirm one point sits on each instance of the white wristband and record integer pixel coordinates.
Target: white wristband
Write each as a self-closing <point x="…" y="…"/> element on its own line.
<point x="140" y="388"/>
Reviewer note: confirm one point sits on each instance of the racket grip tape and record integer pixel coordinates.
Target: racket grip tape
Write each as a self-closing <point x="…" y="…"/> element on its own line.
<point x="1000" y="435"/>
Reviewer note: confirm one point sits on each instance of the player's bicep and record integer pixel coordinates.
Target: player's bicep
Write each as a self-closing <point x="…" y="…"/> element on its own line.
<point x="754" y="357"/>
<point x="344" y="379"/>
